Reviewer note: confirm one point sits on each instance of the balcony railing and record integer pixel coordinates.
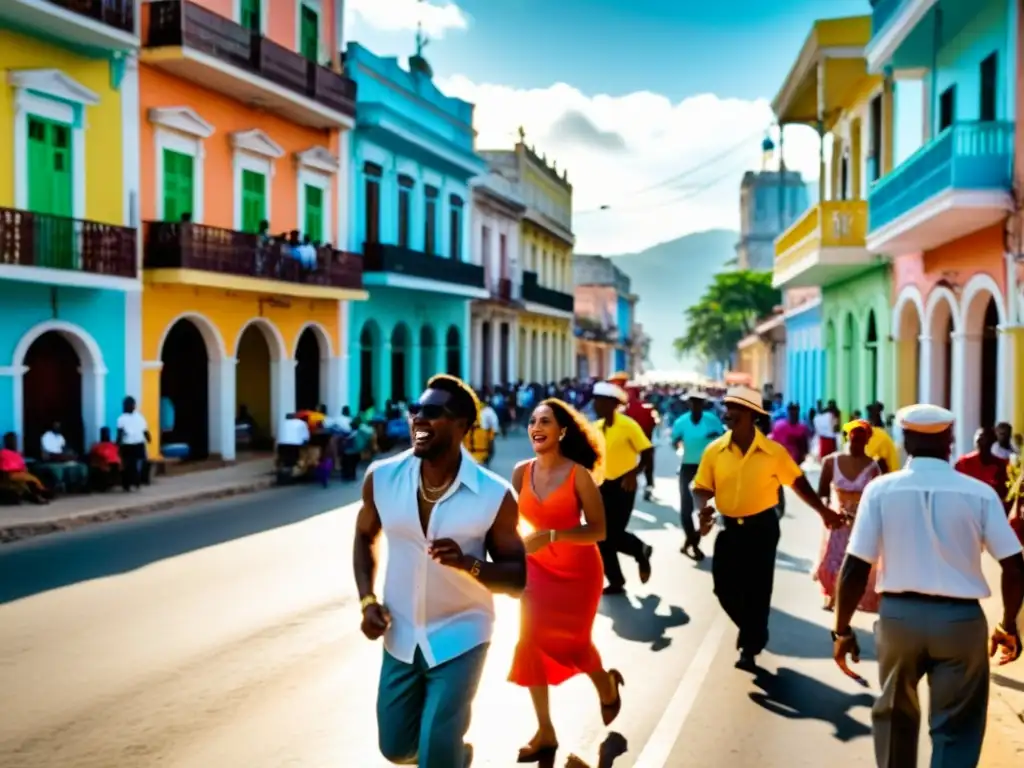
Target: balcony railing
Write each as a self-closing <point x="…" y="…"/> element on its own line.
<point x="533" y="291"/>
<point x="405" y="261"/>
<point x="974" y="155"/>
<point x="174" y="245"/>
<point x="39" y="240"/>
<point x="831" y="224"/>
<point x="119" y="14"/>
<point x="181" y="23"/>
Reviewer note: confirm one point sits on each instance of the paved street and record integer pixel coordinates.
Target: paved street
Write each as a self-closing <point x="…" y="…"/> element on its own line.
<point x="227" y="635"/>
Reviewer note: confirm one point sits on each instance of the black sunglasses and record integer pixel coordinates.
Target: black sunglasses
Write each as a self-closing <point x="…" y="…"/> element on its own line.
<point x="429" y="411"/>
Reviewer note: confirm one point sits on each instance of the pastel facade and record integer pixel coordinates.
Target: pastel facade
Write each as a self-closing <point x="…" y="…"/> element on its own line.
<point x="412" y="207"/>
<point x="761" y="355"/>
<point x="546" y="345"/>
<point x="941" y="213"/>
<point x="607" y="338"/>
<point x="805" y="349"/>
<point x="831" y="89"/>
<point x="497" y="220"/>
<point x="244" y="118"/>
<point x="69" y="289"/>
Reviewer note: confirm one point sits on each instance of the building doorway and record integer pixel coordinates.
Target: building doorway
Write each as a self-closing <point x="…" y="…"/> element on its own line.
<point x="185" y="392"/>
<point x="400" y="363"/>
<point x="308" y="362"/>
<point x="52" y="392"/>
<point x="254" y="421"/>
<point x="453" y="352"/>
<point x="369" y="357"/>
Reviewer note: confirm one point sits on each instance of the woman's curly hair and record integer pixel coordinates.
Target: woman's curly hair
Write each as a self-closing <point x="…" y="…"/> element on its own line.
<point x="581" y="442"/>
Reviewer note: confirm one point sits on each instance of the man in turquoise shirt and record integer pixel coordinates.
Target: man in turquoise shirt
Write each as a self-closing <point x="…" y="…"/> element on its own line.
<point x="695" y="431"/>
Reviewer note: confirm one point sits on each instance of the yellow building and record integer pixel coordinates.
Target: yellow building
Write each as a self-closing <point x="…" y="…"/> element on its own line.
<point x="545" y="342"/>
<point x="70" y="348"/>
<point x="241" y="325"/>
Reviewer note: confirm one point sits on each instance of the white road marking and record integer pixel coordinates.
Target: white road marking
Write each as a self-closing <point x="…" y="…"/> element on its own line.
<point x="659" y="747"/>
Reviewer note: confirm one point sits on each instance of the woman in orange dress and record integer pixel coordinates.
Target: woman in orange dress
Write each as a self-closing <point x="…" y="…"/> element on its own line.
<point x="559" y="499"/>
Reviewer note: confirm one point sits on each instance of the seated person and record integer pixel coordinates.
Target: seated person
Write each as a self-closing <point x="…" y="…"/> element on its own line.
<point x="16" y="482"/>
<point x="104" y="463"/>
<point x="61" y="461"/>
<point x="293" y="445"/>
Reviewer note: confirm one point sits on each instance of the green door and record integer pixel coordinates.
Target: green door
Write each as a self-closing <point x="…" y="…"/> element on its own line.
<point x="254" y="200"/>
<point x="251" y="15"/>
<point x="50" y="193"/>
<point x="309" y="34"/>
<point x="314" y="223"/>
<point x="178" y="184"/>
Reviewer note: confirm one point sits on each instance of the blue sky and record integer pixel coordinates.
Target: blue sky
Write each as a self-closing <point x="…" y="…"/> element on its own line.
<point x="649" y="89"/>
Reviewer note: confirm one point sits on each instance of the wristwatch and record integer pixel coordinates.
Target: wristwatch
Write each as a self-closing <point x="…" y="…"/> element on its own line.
<point x="842" y="635"/>
<point x="367" y="601"/>
<point x="474" y="569"/>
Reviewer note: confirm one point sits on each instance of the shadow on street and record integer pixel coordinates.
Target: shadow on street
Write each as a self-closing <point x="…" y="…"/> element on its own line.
<point x="796" y="696"/>
<point x="62" y="559"/>
<point x="801" y="639"/>
<point x="642" y="624"/>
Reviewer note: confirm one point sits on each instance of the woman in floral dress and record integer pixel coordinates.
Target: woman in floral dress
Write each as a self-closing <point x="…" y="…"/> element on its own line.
<point x="844" y="476"/>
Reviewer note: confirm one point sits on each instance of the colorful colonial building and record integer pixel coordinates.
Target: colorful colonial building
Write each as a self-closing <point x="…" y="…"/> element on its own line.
<point x="244" y="144"/>
<point x="545" y="344"/>
<point x="70" y="348"/>
<point x="412" y="162"/>
<point x="607" y="338"/>
<point x="830" y="89"/>
<point x="941" y="209"/>
<point x="497" y="218"/>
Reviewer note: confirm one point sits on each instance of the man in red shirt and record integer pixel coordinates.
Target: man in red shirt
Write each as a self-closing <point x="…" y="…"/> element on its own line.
<point x="983" y="465"/>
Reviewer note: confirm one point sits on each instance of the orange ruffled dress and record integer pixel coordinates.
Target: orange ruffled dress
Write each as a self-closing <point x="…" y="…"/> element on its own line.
<point x="563" y="591"/>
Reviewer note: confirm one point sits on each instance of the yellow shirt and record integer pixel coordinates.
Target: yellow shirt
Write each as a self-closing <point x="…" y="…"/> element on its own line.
<point x="881" y="446"/>
<point x="745" y="485"/>
<point x="624" y="441"/>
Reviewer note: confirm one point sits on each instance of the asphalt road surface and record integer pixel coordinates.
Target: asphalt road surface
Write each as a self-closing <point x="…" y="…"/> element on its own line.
<point x="228" y="635"/>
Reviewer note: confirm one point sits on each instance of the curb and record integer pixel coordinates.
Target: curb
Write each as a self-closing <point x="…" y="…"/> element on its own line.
<point x="23" y="531"/>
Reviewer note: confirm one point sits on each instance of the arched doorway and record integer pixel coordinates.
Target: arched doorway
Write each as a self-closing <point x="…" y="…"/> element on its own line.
<point x="52" y="392"/>
<point x="979" y="364"/>
<point x="453" y="352"/>
<point x="428" y="354"/>
<point x="309" y="370"/>
<point x="850" y="370"/>
<point x="908" y="353"/>
<point x="369" y="357"/>
<point x="486" y="345"/>
<point x="871" y="357"/>
<point x="941" y="325"/>
<point x="255" y="422"/>
<point x="831" y="354"/>
<point x="185" y="391"/>
<point x="989" y="364"/>
<point x="400" y="385"/>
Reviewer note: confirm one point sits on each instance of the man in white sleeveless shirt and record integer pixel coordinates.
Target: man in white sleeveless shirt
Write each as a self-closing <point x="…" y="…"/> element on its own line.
<point x="452" y="534"/>
<point x="925" y="528"/>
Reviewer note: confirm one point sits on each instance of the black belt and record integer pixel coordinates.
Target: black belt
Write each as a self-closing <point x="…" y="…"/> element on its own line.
<point x="939" y="599"/>
<point x="758" y="518"/>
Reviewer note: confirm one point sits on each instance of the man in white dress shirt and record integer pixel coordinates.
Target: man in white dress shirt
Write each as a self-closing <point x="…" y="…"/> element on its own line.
<point x="443" y="515"/>
<point x="925" y="528"/>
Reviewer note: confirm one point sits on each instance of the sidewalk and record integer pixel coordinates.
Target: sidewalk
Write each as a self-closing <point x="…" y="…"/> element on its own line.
<point x="27" y="521"/>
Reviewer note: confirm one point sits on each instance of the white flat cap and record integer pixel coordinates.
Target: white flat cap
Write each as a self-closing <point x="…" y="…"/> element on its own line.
<point x="924" y="418"/>
<point x="607" y="389"/>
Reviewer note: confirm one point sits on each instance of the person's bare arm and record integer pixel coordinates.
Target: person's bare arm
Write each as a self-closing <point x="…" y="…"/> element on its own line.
<point x="364" y="550"/>
<point x="1012" y="584"/>
<point x="517" y="475"/>
<point x="853" y="582"/>
<point x="802" y="487"/>
<point x="825" y="481"/>
<point x="593" y="528"/>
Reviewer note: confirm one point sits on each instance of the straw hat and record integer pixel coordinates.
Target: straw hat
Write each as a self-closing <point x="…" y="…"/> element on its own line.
<point x="748" y="397"/>
<point x="607" y="389"/>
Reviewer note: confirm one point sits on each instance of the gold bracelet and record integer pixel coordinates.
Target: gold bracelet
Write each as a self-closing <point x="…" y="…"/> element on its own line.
<point x="551" y="536"/>
<point x="474" y="570"/>
<point x="367" y="601"/>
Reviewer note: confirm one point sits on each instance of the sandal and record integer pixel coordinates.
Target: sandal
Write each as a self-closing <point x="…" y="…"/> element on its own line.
<point x="611" y="711"/>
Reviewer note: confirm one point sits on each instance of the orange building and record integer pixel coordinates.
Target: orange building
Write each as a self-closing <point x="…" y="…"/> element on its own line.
<point x="244" y="165"/>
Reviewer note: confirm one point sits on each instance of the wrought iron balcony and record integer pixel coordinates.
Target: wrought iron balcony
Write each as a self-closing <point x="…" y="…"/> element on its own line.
<point x="175" y="245"/>
<point x="119" y="14"/>
<point x="534" y="292"/>
<point x="30" y="239"/>
<point x="182" y="24"/>
<point x="92" y="27"/>
<point x="378" y="257"/>
<point x="503" y="289"/>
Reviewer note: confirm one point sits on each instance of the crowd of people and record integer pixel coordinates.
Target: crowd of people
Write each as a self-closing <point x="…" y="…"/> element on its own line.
<point x="901" y="539"/>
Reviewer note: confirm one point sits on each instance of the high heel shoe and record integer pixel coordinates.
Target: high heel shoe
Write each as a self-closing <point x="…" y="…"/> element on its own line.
<point x="611" y="711"/>
<point x="545" y="753"/>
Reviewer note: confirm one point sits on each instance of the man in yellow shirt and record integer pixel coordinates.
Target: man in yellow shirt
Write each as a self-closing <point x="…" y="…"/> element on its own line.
<point x="743" y="471"/>
<point x="627" y="453"/>
<point x="881" y="447"/>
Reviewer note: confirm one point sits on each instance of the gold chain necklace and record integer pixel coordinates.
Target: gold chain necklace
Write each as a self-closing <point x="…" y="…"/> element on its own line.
<point x="434" y="495"/>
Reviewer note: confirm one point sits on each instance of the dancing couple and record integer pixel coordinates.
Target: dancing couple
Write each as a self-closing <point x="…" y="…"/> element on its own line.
<point x="453" y="540"/>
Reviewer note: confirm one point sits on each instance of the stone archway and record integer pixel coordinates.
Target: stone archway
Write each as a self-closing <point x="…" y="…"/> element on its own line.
<point x="941" y="322"/>
<point x="979" y="354"/>
<point x="369" y="364"/>
<point x="313" y="357"/>
<point x="908" y="323"/>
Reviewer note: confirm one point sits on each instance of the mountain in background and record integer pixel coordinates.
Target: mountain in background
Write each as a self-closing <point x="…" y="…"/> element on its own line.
<point x="668" y="278"/>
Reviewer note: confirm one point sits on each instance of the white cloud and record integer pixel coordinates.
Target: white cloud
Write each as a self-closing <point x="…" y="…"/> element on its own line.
<point x="661" y="139"/>
<point x="438" y="16"/>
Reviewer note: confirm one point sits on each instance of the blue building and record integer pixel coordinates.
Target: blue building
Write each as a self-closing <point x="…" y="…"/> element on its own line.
<point x="805" y="355"/>
<point x="412" y="160"/>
